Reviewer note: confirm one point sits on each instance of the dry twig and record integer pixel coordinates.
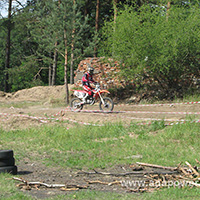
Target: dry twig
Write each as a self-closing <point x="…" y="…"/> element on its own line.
<point x="190" y="166"/>
<point x="104" y="183"/>
<point x="197" y="161"/>
<point x="29" y="184"/>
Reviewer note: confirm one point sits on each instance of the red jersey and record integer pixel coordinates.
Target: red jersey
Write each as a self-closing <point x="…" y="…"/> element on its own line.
<point x="87" y="79"/>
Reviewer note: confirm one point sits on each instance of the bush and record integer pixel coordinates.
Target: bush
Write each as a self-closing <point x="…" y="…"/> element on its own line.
<point x="155" y="47"/>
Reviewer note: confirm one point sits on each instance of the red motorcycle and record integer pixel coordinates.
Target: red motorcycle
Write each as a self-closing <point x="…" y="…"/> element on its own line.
<point x="105" y="104"/>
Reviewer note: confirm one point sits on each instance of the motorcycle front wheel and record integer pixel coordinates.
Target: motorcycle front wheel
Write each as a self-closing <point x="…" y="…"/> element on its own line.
<point x="76" y="105"/>
<point x="108" y="104"/>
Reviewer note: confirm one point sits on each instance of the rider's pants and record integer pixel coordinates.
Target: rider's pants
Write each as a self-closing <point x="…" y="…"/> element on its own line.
<point x="88" y="89"/>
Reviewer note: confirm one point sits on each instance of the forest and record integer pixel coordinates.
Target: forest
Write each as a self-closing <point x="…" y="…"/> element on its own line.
<point x="157" y="42"/>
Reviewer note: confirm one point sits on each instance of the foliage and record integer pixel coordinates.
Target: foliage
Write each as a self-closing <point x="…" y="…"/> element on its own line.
<point x="36" y="29"/>
<point x="160" y="46"/>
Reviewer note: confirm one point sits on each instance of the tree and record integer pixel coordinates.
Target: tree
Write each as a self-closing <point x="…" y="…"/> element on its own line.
<point x="63" y="26"/>
<point x="7" y="61"/>
<point x="149" y="45"/>
<point x="96" y="25"/>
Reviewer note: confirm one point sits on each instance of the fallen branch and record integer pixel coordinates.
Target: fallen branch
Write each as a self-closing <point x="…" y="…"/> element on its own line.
<point x="183" y="170"/>
<point x="112" y="174"/>
<point x="69" y="189"/>
<point x="158" y="166"/>
<point x="185" y="173"/>
<point x="197" y="161"/>
<point x="27" y="183"/>
<point x="139" y="173"/>
<point x="190" y="166"/>
<point x="104" y="183"/>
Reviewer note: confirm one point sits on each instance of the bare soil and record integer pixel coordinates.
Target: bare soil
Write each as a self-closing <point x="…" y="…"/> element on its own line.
<point x="39" y="113"/>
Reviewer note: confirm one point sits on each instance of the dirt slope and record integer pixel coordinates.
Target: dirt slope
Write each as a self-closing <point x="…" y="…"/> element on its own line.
<point x="39" y="93"/>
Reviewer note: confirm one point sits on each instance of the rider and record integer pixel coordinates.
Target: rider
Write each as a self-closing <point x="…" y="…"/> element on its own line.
<point x="86" y="80"/>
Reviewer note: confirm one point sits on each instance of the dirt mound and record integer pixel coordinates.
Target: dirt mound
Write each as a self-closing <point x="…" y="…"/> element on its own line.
<point x="39" y="93"/>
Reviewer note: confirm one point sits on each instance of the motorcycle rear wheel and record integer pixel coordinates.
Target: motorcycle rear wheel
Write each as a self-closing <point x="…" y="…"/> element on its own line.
<point x="109" y="104"/>
<point x="76" y="105"/>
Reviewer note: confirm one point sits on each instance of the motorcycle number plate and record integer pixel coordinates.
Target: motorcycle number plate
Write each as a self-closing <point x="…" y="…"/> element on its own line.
<point x="79" y="94"/>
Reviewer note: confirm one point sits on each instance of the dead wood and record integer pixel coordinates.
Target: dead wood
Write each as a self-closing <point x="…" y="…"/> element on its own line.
<point x="69" y="189"/>
<point x="157" y="166"/>
<point x="104" y="183"/>
<point x="197" y="161"/>
<point x="185" y="172"/>
<point x="29" y="184"/>
<point x="160" y="178"/>
<point x="136" y="173"/>
<point x="192" y="168"/>
<point x="113" y="174"/>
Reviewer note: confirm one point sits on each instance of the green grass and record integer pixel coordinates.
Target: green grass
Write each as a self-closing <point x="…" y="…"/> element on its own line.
<point x="8" y="190"/>
<point x="191" y="98"/>
<point x="106" y="146"/>
<point x="95" y="147"/>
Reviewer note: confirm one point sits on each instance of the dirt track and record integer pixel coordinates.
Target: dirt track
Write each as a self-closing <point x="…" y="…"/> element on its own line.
<point x="12" y="118"/>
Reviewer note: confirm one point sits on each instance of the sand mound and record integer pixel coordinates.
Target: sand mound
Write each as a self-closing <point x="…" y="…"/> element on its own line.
<point x="39" y="93"/>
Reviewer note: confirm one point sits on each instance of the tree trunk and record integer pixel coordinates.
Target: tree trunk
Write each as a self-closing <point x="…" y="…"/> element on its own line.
<point x="50" y="71"/>
<point x="72" y="61"/>
<point x="86" y="8"/>
<point x="72" y="48"/>
<point x="65" y="67"/>
<point x="7" y="61"/>
<point x="55" y="56"/>
<point x="96" y="26"/>
<point x="115" y="10"/>
<point x="115" y="18"/>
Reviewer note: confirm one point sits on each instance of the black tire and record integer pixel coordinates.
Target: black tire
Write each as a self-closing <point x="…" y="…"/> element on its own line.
<point x="75" y="105"/>
<point x="109" y="104"/>
<point x="9" y="169"/>
<point x="5" y="154"/>
<point x="7" y="162"/>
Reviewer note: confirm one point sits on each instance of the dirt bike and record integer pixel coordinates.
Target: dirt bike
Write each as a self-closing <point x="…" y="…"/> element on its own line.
<point x="105" y="104"/>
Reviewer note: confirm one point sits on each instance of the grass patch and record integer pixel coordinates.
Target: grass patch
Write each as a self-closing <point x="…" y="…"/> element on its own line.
<point x="8" y="189"/>
<point x="109" y="145"/>
<point x="191" y="98"/>
<point x="103" y="147"/>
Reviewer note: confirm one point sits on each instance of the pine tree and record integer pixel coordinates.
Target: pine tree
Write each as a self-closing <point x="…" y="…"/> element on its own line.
<point x="7" y="61"/>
